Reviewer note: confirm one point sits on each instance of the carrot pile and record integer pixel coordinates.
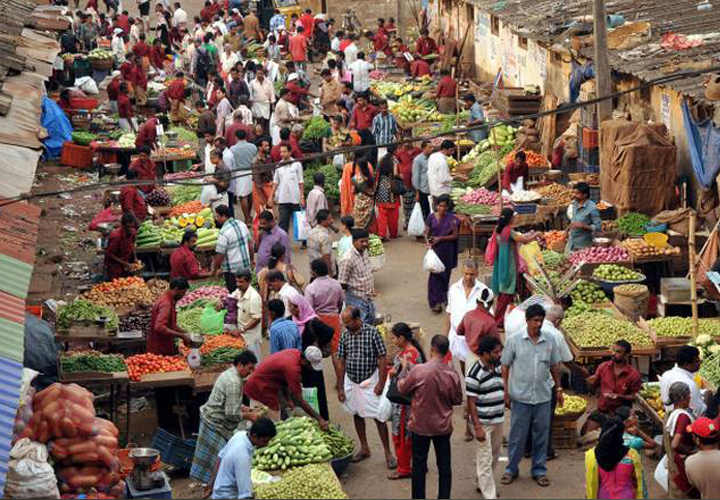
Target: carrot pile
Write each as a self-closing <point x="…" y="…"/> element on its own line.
<point x="145" y="364"/>
<point x="553" y="237"/>
<point x="532" y="158"/>
<point x="213" y="342"/>
<point x="191" y="207"/>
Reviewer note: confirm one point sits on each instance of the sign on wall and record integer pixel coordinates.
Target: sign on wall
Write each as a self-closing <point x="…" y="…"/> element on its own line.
<point x="665" y="109"/>
<point x="482" y="26"/>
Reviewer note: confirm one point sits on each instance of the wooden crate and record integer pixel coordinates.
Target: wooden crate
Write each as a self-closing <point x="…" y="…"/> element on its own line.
<point x="565" y="434"/>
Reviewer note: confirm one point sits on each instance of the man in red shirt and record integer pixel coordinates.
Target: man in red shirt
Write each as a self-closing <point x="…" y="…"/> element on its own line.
<point x="163" y="320"/>
<point x="618" y="381"/>
<point x="285" y="140"/>
<point x="125" y="112"/>
<point x="113" y="89"/>
<point x="425" y="45"/>
<point x="344" y="42"/>
<point x="132" y="201"/>
<point x="145" y="168"/>
<point x="299" y="48"/>
<point x="279" y="376"/>
<point x="126" y="70"/>
<point x="123" y="22"/>
<point x="120" y="250"/>
<point x="516" y="169"/>
<point x="139" y="81"/>
<point x="405" y="154"/>
<point x="183" y="263"/>
<point x="157" y="56"/>
<point x="445" y="93"/>
<point x="141" y="48"/>
<point x="206" y="13"/>
<point x="380" y="41"/>
<point x="147" y="135"/>
<point x="419" y="67"/>
<point x="477" y="324"/>
<point x="296" y="93"/>
<point x="308" y="22"/>
<point x="238" y="124"/>
<point x="176" y="95"/>
<point x="363" y="113"/>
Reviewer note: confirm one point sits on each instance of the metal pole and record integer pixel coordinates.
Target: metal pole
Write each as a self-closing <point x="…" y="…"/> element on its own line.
<point x="693" y="289"/>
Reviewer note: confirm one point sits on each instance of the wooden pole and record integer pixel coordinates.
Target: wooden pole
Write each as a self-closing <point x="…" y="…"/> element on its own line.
<point x="693" y="289"/>
<point x="602" y="65"/>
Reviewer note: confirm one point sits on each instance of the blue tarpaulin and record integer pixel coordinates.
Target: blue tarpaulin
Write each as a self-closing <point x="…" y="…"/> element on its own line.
<point x="58" y="127"/>
<point x="704" y="141"/>
<point x="580" y="75"/>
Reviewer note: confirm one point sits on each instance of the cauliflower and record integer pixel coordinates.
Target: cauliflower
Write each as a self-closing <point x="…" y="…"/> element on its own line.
<point x="703" y="340"/>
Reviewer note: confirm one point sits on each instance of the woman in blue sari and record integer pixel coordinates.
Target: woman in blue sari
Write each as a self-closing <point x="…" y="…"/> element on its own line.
<point x="441" y="230"/>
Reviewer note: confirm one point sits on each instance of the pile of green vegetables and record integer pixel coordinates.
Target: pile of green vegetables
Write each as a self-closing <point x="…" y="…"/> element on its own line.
<point x="309" y="482"/>
<point x="184" y="193"/>
<point x="184" y="134"/>
<point x="552" y="259"/>
<point x="83" y="138"/>
<point x="592" y="329"/>
<point x="84" y="310"/>
<point x="487" y="165"/>
<point x="316" y="128"/>
<point x="92" y="361"/>
<point x="472" y="209"/>
<point x="332" y="178"/>
<point x="340" y="445"/>
<point x="633" y="223"/>
<point x="220" y="356"/>
<point x="587" y="292"/>
<point x="710" y="369"/>
<point x="298" y="441"/>
<point x="671" y="326"/>
<point x="189" y="318"/>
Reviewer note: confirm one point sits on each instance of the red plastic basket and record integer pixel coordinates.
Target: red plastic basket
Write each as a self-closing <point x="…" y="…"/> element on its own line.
<point x="590" y="138"/>
<point x="83" y="103"/>
<point x="76" y="156"/>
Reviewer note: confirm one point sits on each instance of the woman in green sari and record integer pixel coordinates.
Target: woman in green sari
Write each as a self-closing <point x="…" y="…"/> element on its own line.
<point x="502" y="254"/>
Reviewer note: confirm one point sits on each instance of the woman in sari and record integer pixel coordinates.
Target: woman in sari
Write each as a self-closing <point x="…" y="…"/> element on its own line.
<point x="364" y="206"/>
<point x="613" y="470"/>
<point x="312" y="332"/>
<point x="409" y="354"/>
<point x="351" y="172"/>
<point x="678" y="441"/>
<point x="441" y="231"/>
<point x="502" y="254"/>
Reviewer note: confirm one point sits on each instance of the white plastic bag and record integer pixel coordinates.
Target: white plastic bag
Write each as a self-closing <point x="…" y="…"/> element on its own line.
<point x="87" y="85"/>
<point x="360" y="399"/>
<point x="300" y="226"/>
<point x="416" y="225"/>
<point x="661" y="473"/>
<point x="432" y="263"/>
<point x="29" y="473"/>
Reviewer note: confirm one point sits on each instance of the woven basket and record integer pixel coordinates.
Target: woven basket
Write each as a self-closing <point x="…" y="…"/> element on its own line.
<point x="101" y="64"/>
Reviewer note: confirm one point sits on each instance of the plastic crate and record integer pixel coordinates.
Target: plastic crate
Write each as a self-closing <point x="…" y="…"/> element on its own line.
<point x="73" y="155"/>
<point x="174" y="450"/>
<point x="589" y="156"/>
<point x="86" y="103"/>
<point x="565" y="435"/>
<point x="590" y="138"/>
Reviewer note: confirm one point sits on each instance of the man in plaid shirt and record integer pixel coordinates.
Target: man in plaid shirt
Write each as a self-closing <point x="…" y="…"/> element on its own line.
<point x="361" y="380"/>
<point x="384" y="126"/>
<point x="234" y="249"/>
<point x="356" y="276"/>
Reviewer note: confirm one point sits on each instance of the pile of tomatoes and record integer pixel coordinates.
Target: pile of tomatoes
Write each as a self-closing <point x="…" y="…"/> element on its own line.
<point x="145" y="364"/>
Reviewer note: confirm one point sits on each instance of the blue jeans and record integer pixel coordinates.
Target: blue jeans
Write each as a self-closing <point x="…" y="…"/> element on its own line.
<point x="523" y="418"/>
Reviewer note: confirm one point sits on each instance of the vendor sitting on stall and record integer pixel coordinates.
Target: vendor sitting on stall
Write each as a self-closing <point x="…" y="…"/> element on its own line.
<point x="221" y="415"/>
<point x="516" y="169"/>
<point x="277" y="380"/>
<point x="131" y="200"/>
<point x="446" y="93"/>
<point x="419" y="67"/>
<point x="183" y="263"/>
<point x="584" y="219"/>
<point x="120" y="250"/>
<point x="618" y="381"/>
<point x="147" y="135"/>
<point x="145" y="169"/>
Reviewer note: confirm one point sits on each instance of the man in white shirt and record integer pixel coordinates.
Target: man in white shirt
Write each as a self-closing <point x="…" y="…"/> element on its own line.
<point x="687" y="363"/>
<point x="335" y="43"/>
<point x="351" y="51"/>
<point x="262" y="96"/>
<point x="249" y="312"/>
<point x="179" y="16"/>
<point x="215" y="194"/>
<point x="361" y="73"/>
<point x="289" y="187"/>
<point x="439" y="178"/>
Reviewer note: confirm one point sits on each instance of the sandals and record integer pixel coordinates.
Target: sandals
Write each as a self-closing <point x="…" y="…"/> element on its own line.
<point x="359" y="457"/>
<point x="542" y="481"/>
<point x="391" y="463"/>
<point x="508" y="478"/>
<point x="394" y="475"/>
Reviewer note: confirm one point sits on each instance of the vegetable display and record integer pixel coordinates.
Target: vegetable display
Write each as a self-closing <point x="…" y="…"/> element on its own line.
<point x="126" y="140"/>
<point x="298" y="442"/>
<point x="486" y="167"/>
<point x="651" y="395"/>
<point x="588" y="293"/>
<point x="472" y="209"/>
<point x="82" y="138"/>
<point x="316" y="128"/>
<point x="309" y="482"/>
<point x="185" y="193"/>
<point x="480" y="196"/>
<point x="184" y="134"/>
<point x="532" y="158"/>
<point x="204" y="292"/>
<point x="221" y="356"/>
<point x="215" y="342"/>
<point x="375" y="246"/>
<point x="559" y="194"/>
<point x="340" y="445"/>
<point x="596" y="330"/>
<point x="572" y="405"/>
<point x="710" y="369"/>
<point x="145" y="364"/>
<point x="148" y="235"/>
<point x="409" y="110"/>
<point x="188" y="174"/>
<point x="641" y="249"/>
<point x="633" y="223"/>
<point x="100" y="54"/>
<point x="189" y="319"/>
<point x="552" y="260"/>
<point x="85" y="310"/>
<point x="139" y="321"/>
<point x="121" y="292"/>
<point x="671" y="326"/>
<point x="612" y="272"/>
<point x="502" y="135"/>
<point x="91" y="361"/>
<point x="158" y="198"/>
<point x="332" y="178"/>
<point x="553" y="238"/>
<point x="596" y="255"/>
<point x="523" y="196"/>
<point x="190" y="207"/>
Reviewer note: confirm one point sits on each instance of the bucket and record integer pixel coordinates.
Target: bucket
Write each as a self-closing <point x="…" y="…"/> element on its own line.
<point x="632" y="300"/>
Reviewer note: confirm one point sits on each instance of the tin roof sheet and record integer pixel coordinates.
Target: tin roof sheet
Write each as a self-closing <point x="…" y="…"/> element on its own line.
<point x="12" y="308"/>
<point x="12" y="342"/>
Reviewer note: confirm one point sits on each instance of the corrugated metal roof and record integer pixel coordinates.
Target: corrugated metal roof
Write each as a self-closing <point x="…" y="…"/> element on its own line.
<point x="21" y="125"/>
<point x="17" y="169"/>
<point x="10" y="381"/>
<point x="12" y="340"/>
<point x="549" y="21"/>
<point x="12" y="308"/>
<point x="18" y="232"/>
<point x="15" y="276"/>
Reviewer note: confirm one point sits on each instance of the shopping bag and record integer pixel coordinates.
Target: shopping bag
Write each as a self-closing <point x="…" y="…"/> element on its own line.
<point x="661" y="473"/>
<point x="528" y="253"/>
<point x="212" y="321"/>
<point x="300" y="227"/>
<point x="491" y="249"/>
<point x="432" y="263"/>
<point x="310" y="395"/>
<point x="416" y="226"/>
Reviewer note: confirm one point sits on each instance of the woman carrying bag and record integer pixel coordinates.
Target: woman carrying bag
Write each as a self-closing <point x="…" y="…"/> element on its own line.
<point x="441" y="231"/>
<point x="409" y="354"/>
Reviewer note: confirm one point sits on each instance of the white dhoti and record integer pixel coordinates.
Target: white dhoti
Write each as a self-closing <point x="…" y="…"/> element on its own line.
<point x="261" y="110"/>
<point x="458" y="345"/>
<point x="361" y="400"/>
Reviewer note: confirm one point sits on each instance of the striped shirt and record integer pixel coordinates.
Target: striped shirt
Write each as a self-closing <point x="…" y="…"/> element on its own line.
<point x="384" y="128"/>
<point x="234" y="243"/>
<point x="486" y="386"/>
<point x="284" y="334"/>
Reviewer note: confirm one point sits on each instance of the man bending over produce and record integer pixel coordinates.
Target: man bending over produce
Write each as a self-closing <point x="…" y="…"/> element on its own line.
<point x="221" y="415"/>
<point x="232" y="473"/>
<point x="183" y="263"/>
<point x="131" y="200"/>
<point x="120" y="250"/>
<point x="277" y="381"/>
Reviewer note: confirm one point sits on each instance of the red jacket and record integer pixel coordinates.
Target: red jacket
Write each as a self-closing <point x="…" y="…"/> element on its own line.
<point x="419" y="67"/>
<point x="121" y="245"/>
<point x="295" y="92"/>
<point x="308" y="22"/>
<point x="230" y="131"/>
<point x="139" y="77"/>
<point x="363" y="118"/>
<point x="163" y="320"/>
<point x="147" y="134"/>
<point x="426" y="46"/>
<point x="113" y="88"/>
<point x="184" y="264"/>
<point x="132" y="201"/>
<point x="123" y="22"/>
<point x="176" y="89"/>
<point x="157" y="56"/>
<point x="146" y="172"/>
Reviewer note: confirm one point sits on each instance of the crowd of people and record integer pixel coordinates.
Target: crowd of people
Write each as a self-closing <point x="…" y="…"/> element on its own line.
<point x="248" y="85"/>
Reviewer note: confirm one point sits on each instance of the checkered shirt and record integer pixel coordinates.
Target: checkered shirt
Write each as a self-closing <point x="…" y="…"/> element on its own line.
<point x="384" y="128"/>
<point x="356" y="273"/>
<point x="234" y="243"/>
<point x="360" y="351"/>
